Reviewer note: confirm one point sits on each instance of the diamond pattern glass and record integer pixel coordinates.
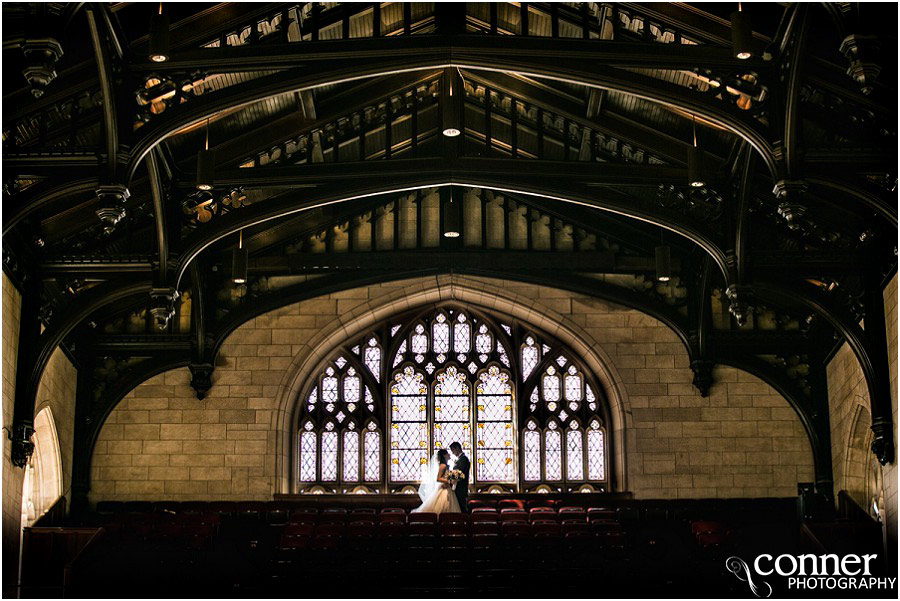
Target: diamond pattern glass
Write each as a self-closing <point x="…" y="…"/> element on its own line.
<point x="419" y="341"/>
<point x="551" y="387"/>
<point x="574" y="455"/>
<point x="595" y="458"/>
<point x="573" y="387"/>
<point x="351" y="457"/>
<point x="483" y="340"/>
<point x="552" y="455"/>
<point x="372" y="455"/>
<point x="329" y="389"/>
<point x="372" y="360"/>
<point x="440" y="335"/>
<point x="308" y="456"/>
<point x="398" y="358"/>
<point x="529" y="358"/>
<point x="532" y="455"/>
<point x="462" y="335"/>
<point x="329" y="456"/>
<point x="351" y="389"/>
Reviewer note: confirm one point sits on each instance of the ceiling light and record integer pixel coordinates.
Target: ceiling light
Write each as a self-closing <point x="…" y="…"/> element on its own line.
<point x="663" y="263"/>
<point x="741" y="35"/>
<point x="451" y="214"/>
<point x="159" y="37"/>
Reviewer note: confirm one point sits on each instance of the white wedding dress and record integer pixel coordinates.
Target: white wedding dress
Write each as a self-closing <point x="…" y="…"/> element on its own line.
<point x="437" y="497"/>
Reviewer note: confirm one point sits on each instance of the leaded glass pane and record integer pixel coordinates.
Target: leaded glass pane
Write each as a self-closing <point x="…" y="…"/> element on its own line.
<point x="462" y="335"/>
<point x="494" y="432"/>
<point x="351" y="457"/>
<point x="372" y="455"/>
<point x="595" y="459"/>
<point x="406" y="465"/>
<point x="398" y="358"/>
<point x="419" y="341"/>
<point x="373" y="360"/>
<point x="448" y="432"/>
<point x="308" y="456"/>
<point x="440" y="334"/>
<point x="529" y="358"/>
<point x="329" y="456"/>
<point x="351" y="389"/>
<point x="574" y="455"/>
<point x="573" y="387"/>
<point x="532" y="452"/>
<point x="313" y="396"/>
<point x="341" y="362"/>
<point x="495" y="465"/>
<point x="329" y="389"/>
<point x="502" y="352"/>
<point x="552" y="455"/>
<point x="551" y="388"/>
<point x="483" y="340"/>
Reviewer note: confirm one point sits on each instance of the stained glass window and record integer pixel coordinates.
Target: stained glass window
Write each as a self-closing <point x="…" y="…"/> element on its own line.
<point x="494" y="432"/>
<point x="574" y="453"/>
<point x="529" y="357"/>
<point x="372" y="453"/>
<point x="308" y="445"/>
<point x="462" y="335"/>
<point x="451" y="409"/>
<point x="351" y="456"/>
<point x="409" y="426"/>
<point x="329" y="454"/>
<point x="351" y="387"/>
<point x="440" y="334"/>
<point x="595" y="458"/>
<point x="551" y="385"/>
<point x="552" y="452"/>
<point x="573" y="385"/>
<point x="531" y="443"/>
<point x="444" y="388"/>
<point x="373" y="358"/>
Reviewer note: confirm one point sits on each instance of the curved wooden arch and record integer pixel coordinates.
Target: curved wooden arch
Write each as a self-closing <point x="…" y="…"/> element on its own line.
<point x="319" y="72"/>
<point x="404" y="180"/>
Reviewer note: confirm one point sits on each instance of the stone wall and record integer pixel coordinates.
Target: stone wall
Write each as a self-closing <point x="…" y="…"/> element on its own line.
<point x="161" y="442"/>
<point x="848" y="404"/>
<point x="12" y="476"/>
<point x="56" y="390"/>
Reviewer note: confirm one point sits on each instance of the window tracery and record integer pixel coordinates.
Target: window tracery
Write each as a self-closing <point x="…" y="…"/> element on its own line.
<point x="524" y="410"/>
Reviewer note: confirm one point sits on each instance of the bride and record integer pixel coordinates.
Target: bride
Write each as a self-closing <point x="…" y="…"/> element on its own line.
<point x="435" y="490"/>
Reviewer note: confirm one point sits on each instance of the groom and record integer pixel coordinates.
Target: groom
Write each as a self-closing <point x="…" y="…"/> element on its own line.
<point x="462" y="487"/>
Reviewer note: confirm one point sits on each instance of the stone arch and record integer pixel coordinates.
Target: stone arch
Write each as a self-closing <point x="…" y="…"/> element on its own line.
<point x="466" y="290"/>
<point x="43" y="475"/>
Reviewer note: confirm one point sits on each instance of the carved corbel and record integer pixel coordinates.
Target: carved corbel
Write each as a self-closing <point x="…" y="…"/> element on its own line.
<point x="162" y="305"/>
<point x="22" y="447"/>
<point x="41" y="55"/>
<point x="860" y="50"/>
<point x="201" y="378"/>
<point x="789" y="193"/>
<point x="112" y="205"/>
<point x="883" y="443"/>
<point x="703" y="375"/>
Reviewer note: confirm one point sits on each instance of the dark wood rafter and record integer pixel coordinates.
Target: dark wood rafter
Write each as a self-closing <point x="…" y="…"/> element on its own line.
<point x="575" y="61"/>
<point x="158" y="192"/>
<point x="110" y="121"/>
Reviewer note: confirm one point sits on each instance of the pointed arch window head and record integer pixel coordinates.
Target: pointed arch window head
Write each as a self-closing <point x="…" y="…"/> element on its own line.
<point x="454" y="376"/>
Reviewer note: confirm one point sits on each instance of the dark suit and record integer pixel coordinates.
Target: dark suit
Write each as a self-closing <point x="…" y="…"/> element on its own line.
<point x="462" y="487"/>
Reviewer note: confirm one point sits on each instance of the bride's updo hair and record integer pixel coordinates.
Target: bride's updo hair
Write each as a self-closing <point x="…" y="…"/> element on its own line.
<point x="443" y="456"/>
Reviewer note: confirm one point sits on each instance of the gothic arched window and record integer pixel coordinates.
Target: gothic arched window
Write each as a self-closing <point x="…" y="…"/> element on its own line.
<point x="522" y="407"/>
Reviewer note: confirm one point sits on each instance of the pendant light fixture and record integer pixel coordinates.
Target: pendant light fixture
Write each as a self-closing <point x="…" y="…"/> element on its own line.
<point x="206" y="165"/>
<point x="159" y="37"/>
<point x="450" y="110"/>
<point x="240" y="261"/>
<point x="451" y="213"/>
<point x="663" y="261"/>
<point x="741" y="34"/>
<point x="695" y="161"/>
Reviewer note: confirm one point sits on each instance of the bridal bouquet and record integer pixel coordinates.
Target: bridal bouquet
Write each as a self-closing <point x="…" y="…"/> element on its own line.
<point x="455" y="476"/>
